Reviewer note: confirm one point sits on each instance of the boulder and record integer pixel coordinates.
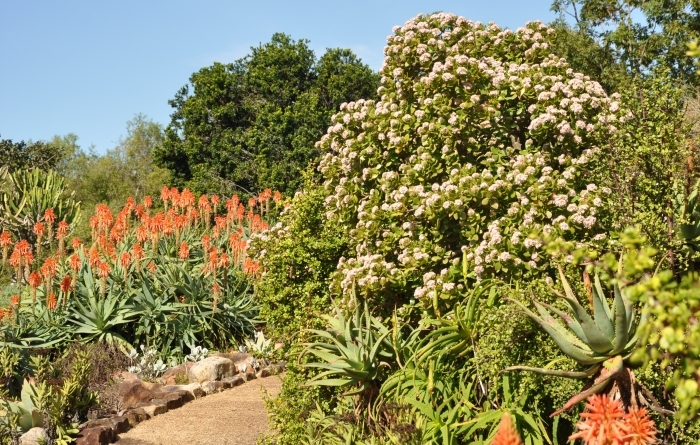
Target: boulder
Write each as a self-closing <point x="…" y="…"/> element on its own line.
<point x="194" y="389"/>
<point x="133" y="391"/>
<point x="118" y="424"/>
<point x="236" y="380"/>
<point x="213" y="386"/>
<point x="211" y="369"/>
<point x="35" y="436"/>
<point x="154" y="407"/>
<point x="98" y="435"/>
<point x="265" y="372"/>
<point x="136" y="416"/>
<point x="168" y="378"/>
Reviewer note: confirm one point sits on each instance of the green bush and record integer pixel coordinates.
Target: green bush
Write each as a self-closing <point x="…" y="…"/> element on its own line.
<point x="298" y="255"/>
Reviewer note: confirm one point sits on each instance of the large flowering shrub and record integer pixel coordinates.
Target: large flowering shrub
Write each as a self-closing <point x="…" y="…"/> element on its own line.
<point x="479" y="146"/>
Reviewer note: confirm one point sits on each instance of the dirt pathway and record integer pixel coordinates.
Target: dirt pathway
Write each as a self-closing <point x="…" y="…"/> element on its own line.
<point x="233" y="417"/>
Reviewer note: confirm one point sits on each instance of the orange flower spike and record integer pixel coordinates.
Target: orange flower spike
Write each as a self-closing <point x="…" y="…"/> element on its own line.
<point x="125" y="260"/>
<point x="34" y="283"/>
<point x="49" y="216"/>
<point x="215" y="203"/>
<point x="151" y="267"/>
<point x="165" y="194"/>
<point x="602" y="422"/>
<point x="224" y="260"/>
<point x="147" y="202"/>
<point x="138" y="251"/>
<point x="130" y="204"/>
<point x="5" y="243"/>
<point x="251" y="203"/>
<point x="75" y="262"/>
<point x="507" y="434"/>
<point x="639" y="428"/>
<point x="66" y="284"/>
<point x="103" y="269"/>
<point x="76" y="243"/>
<point x="187" y="198"/>
<point x="39" y="229"/>
<point x="34" y="280"/>
<point x="277" y="197"/>
<point x="184" y="251"/>
<point x="14" y="301"/>
<point x="51" y="302"/>
<point x="62" y="229"/>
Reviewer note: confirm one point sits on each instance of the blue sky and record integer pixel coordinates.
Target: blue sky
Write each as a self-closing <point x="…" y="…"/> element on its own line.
<point x="87" y="67"/>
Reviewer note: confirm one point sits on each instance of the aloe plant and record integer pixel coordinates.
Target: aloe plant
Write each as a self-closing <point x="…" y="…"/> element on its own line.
<point x="602" y="342"/>
<point x="355" y="353"/>
<point x="29" y="193"/>
<point x="29" y="416"/>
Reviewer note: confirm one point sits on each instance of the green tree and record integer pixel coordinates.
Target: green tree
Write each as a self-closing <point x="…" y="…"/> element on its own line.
<point x="23" y="155"/>
<point x="252" y="124"/>
<point x="639" y="34"/>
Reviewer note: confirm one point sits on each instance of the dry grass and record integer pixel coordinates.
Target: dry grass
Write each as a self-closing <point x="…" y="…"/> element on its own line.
<point x="234" y="417"/>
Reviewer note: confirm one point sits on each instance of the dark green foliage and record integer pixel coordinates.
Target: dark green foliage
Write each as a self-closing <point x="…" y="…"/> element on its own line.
<point x="24" y="155"/>
<point x="639" y="34"/>
<point x="252" y="124"/>
<point x="649" y="164"/>
<point x="299" y="255"/>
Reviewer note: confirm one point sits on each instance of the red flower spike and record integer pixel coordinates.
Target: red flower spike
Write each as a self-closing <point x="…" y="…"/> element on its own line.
<point x="14" y="301"/>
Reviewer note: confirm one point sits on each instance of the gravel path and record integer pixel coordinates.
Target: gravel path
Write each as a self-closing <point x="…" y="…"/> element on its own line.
<point x="233" y="417"/>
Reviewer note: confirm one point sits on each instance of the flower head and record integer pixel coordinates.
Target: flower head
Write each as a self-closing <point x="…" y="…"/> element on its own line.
<point x="602" y="422"/>
<point x="507" y="434"/>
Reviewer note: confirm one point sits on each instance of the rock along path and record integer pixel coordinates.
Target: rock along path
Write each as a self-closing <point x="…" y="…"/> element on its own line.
<point x="233" y="417"/>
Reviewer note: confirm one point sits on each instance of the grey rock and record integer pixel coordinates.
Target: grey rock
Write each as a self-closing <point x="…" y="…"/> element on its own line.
<point x="34" y="436"/>
<point x="211" y="369"/>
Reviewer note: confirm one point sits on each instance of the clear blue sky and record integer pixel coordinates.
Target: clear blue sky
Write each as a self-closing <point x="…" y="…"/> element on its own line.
<point x="86" y="67"/>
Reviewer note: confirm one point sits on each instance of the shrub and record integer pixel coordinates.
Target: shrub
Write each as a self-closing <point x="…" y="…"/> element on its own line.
<point x="481" y="144"/>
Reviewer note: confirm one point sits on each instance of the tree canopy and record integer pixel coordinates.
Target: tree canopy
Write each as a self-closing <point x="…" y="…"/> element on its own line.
<point x="24" y="155"/>
<point x="252" y="124"/>
<point x="634" y="35"/>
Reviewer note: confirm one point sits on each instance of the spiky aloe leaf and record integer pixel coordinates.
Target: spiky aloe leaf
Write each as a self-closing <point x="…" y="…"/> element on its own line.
<point x="568" y="320"/>
<point x="595" y="339"/>
<point x="564" y="340"/>
<point x="621" y="323"/>
<point x="601" y="311"/>
<point x="557" y="373"/>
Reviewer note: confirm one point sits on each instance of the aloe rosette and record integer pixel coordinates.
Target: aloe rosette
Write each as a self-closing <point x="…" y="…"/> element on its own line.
<point x="602" y="341"/>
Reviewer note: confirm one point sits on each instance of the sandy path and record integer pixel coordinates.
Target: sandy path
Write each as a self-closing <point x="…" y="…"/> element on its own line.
<point x="233" y="417"/>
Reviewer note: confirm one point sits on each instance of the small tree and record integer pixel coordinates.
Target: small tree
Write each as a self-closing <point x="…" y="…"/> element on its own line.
<point x="479" y="147"/>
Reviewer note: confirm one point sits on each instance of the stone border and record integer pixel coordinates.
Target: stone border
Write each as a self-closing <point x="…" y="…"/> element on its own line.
<point x="106" y="430"/>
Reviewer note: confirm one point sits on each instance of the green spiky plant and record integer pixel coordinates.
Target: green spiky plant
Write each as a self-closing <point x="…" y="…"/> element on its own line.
<point x="602" y="342"/>
<point x="27" y="194"/>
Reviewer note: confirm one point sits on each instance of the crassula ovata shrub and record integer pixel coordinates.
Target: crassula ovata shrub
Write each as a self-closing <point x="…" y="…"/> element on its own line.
<point x="480" y="145"/>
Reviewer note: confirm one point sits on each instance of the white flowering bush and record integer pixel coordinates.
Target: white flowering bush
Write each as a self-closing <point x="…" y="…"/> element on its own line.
<point x="479" y="147"/>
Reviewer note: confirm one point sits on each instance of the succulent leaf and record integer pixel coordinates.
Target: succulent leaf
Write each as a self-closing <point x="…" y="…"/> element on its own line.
<point x="601" y="311"/>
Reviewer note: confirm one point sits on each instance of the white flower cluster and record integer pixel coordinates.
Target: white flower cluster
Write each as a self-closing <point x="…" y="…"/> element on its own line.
<point x="479" y="146"/>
